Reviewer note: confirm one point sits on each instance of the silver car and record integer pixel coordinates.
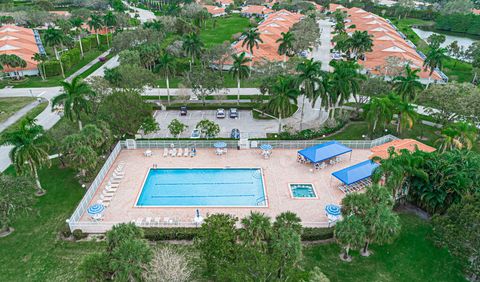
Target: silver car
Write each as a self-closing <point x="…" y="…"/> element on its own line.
<point x="220" y="113"/>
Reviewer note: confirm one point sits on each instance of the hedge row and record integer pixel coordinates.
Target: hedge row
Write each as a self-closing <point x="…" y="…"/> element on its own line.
<point x="189" y="233"/>
<point x="200" y="106"/>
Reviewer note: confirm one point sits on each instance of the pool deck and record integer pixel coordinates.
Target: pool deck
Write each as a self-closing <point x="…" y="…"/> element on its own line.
<point x="280" y="170"/>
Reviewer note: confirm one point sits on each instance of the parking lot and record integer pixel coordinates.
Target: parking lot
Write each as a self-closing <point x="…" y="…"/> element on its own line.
<point x="248" y="126"/>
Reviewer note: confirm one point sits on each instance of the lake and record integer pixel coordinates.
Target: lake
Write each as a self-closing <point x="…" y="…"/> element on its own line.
<point x="462" y="41"/>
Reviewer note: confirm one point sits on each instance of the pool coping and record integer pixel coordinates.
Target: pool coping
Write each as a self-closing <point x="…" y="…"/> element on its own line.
<point x="140" y="190"/>
<point x="302" y="198"/>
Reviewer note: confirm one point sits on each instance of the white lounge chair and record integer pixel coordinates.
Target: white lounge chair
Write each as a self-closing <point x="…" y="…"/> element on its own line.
<point x="104" y="203"/>
<point x="180" y="152"/>
<point x="113" y="185"/>
<point x="111" y="189"/>
<point x="186" y="152"/>
<point x="174" y="152"/>
<point x="107" y="193"/>
<point x="165" y="152"/>
<point x="148" y="221"/>
<point x="114" y="180"/>
<point x="117" y="176"/>
<point x="119" y="173"/>
<point x="139" y="221"/>
<point x="106" y="198"/>
<point x="157" y="221"/>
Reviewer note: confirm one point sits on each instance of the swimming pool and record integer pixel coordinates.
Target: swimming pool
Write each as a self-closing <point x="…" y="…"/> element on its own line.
<point x="305" y="190"/>
<point x="203" y="187"/>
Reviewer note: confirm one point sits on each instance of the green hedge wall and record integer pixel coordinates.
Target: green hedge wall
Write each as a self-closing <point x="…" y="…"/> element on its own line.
<point x="189" y="233"/>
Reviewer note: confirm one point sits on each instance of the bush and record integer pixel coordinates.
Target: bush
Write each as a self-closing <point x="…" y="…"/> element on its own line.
<point x="309" y="133"/>
<point x="170" y="233"/>
<point x="52" y="68"/>
<point x="315" y="234"/>
<point x="65" y="231"/>
<point x="78" y="234"/>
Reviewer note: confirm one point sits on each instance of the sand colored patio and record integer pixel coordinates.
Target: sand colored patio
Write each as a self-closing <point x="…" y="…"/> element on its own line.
<point x="280" y="170"/>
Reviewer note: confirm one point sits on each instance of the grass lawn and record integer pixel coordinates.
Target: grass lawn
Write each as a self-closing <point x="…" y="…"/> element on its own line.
<point x="455" y="69"/>
<point x="224" y="29"/>
<point x="33" y="252"/>
<point x="229" y="82"/>
<point x="36" y="81"/>
<point x="9" y="106"/>
<point x="411" y="257"/>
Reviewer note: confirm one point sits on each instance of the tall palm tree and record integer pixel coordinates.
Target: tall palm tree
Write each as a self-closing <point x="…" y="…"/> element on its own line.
<point x="95" y="23"/>
<point x="407" y="115"/>
<point x="310" y="82"/>
<point x="166" y="65"/>
<point x="359" y="43"/>
<point x="30" y="149"/>
<point x="192" y="45"/>
<point x="239" y="70"/>
<point x="77" y="24"/>
<point x="15" y="62"/>
<point x="459" y="135"/>
<point x="379" y="110"/>
<point x="434" y="60"/>
<point x="285" y="47"/>
<point x="283" y="99"/>
<point x="345" y="81"/>
<point x="110" y="21"/>
<point x="75" y="99"/>
<point x="40" y="59"/>
<point x="54" y="38"/>
<point x="251" y="40"/>
<point x="407" y="86"/>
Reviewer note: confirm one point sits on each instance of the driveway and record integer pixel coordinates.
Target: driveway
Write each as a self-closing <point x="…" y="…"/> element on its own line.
<point x="248" y="126"/>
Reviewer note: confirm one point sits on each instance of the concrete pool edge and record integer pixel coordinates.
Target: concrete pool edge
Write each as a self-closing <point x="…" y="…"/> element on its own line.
<point x="140" y="190"/>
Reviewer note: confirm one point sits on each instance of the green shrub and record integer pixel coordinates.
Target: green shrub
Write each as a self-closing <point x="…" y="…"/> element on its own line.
<point x="65" y="231"/>
<point x="315" y="234"/>
<point x="309" y="133"/>
<point x="170" y="233"/>
<point x="52" y="68"/>
<point x="78" y="234"/>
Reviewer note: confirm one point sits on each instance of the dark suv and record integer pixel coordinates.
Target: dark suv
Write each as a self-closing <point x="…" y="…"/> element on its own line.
<point x="233" y="113"/>
<point x="183" y="110"/>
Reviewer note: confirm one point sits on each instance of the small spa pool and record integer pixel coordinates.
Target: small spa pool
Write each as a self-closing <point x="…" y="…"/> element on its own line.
<point x="302" y="190"/>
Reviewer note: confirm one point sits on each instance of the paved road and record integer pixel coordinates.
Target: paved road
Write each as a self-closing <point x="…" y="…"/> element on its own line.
<point x="87" y="66"/>
<point x="144" y="15"/>
<point x="322" y="50"/>
<point x="110" y="64"/>
<point x="18" y="115"/>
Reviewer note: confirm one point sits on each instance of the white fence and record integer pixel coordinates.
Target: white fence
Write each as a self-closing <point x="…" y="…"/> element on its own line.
<point x="73" y="222"/>
<point x="100" y="227"/>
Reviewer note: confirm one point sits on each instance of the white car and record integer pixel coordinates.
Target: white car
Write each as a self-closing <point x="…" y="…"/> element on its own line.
<point x="220" y="113"/>
<point x="195" y="134"/>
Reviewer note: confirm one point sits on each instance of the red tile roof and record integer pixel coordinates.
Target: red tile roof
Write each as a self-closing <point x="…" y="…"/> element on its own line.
<point x="20" y="41"/>
<point x="256" y="9"/>
<point x="214" y="10"/>
<point x="409" y="144"/>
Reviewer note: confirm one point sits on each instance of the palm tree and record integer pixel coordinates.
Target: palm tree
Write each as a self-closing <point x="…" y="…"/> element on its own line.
<point x="283" y="99"/>
<point x="359" y="43"/>
<point x="310" y="82"/>
<point x="256" y="230"/>
<point x="54" y="38"/>
<point x="407" y="115"/>
<point x="14" y="62"/>
<point x="434" y="60"/>
<point x="77" y="24"/>
<point x="192" y="45"/>
<point x="40" y="59"/>
<point x="96" y="24"/>
<point x="383" y="225"/>
<point x="251" y="40"/>
<point x="75" y="98"/>
<point x="379" y="110"/>
<point x="110" y="21"/>
<point x="286" y="45"/>
<point x="350" y="233"/>
<point x="30" y="149"/>
<point x="239" y="70"/>
<point x="345" y="81"/>
<point x="458" y="136"/>
<point x="408" y="85"/>
<point x="166" y="65"/>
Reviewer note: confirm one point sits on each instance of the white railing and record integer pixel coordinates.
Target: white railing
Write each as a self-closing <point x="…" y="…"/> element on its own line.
<point x="103" y="226"/>
<point x="82" y="207"/>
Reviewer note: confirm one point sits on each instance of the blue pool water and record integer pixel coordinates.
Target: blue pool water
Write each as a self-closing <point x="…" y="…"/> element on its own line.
<point x="203" y="187"/>
<point x="303" y="190"/>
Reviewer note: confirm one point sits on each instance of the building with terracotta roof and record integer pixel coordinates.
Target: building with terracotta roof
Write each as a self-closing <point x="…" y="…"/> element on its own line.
<point x="400" y="144"/>
<point x="476" y="11"/>
<point x="256" y="11"/>
<point x="24" y="43"/>
<point x="270" y="31"/>
<point x="224" y="3"/>
<point x="215" y="11"/>
<point x="388" y="42"/>
<point x="65" y="14"/>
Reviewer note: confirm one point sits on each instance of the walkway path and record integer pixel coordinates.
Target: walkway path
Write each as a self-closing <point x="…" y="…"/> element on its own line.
<point x="322" y="51"/>
<point x="18" y="115"/>
<point x="87" y="66"/>
<point x="144" y="15"/>
<point x="110" y="64"/>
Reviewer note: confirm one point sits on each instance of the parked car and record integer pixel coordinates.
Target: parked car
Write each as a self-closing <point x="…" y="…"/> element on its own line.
<point x="235" y="133"/>
<point x="195" y="134"/>
<point x="183" y="110"/>
<point x="220" y="113"/>
<point x="233" y="113"/>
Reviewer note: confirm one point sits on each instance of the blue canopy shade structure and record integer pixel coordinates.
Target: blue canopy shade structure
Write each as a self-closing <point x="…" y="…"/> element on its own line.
<point x="96" y="209"/>
<point x="356" y="172"/>
<point x="266" y="147"/>
<point x="333" y="210"/>
<point x="325" y="151"/>
<point x="220" y="145"/>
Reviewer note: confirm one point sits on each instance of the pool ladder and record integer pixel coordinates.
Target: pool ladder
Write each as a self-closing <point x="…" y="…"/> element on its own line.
<point x="260" y="201"/>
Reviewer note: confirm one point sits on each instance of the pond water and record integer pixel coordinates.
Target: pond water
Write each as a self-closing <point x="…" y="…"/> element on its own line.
<point x="462" y="41"/>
